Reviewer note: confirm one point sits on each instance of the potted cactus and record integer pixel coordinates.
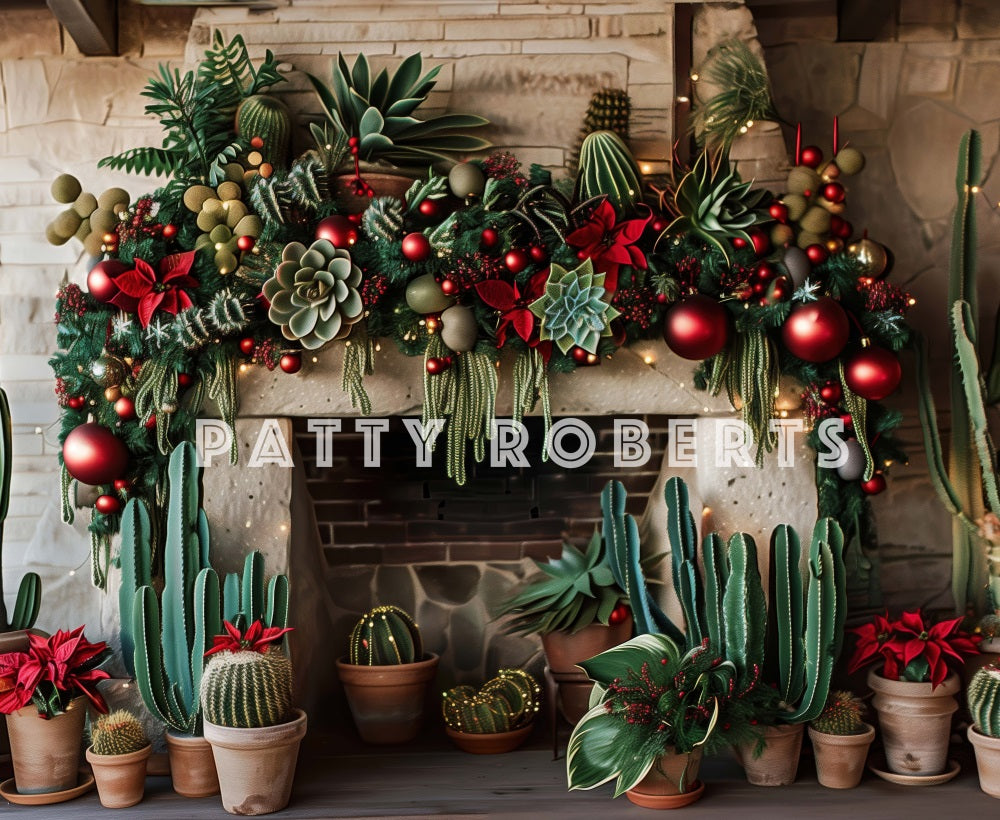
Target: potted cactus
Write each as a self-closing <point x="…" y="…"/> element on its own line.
<point x="496" y="718"/>
<point x="118" y="753"/>
<point x="579" y="611"/>
<point x="840" y="741"/>
<point x="386" y="674"/>
<point x="984" y="733"/>
<point x="255" y="732"/>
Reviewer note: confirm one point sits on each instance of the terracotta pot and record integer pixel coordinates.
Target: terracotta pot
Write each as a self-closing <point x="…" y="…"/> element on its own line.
<point x="46" y="753"/>
<point x="387" y="702"/>
<point x="915" y="721"/>
<point x="987" y="760"/>
<point x="121" y="779"/>
<point x="489" y="744"/>
<point x="192" y="766"/>
<point x="660" y="788"/>
<point x="778" y="764"/>
<point x="840" y="759"/>
<point x="384" y="185"/>
<point x="564" y="650"/>
<point x="256" y="766"/>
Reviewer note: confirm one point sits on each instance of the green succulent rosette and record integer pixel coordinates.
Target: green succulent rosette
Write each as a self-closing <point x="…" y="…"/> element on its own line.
<point x="314" y="293"/>
<point x="573" y="310"/>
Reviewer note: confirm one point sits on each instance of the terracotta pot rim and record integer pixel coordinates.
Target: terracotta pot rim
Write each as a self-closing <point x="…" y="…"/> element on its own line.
<point x="861" y="739"/>
<point x="28" y="709"/>
<point x="951" y="685"/>
<point x="523" y="730"/>
<point x="392" y="675"/>
<point x="431" y="656"/>
<point x="118" y="760"/>
<point x="183" y="738"/>
<point x="264" y="737"/>
<point x="780" y="729"/>
<point x="978" y="738"/>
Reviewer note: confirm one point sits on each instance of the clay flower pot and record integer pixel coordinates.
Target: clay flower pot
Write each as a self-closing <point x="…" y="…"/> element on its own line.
<point x="660" y="788"/>
<point x="387" y="702"/>
<point x="256" y="766"/>
<point x="840" y="759"/>
<point x="778" y="764"/>
<point x="121" y="779"/>
<point x="987" y="760"/>
<point x="489" y="743"/>
<point x="46" y="753"/>
<point x="382" y="183"/>
<point x="915" y="721"/>
<point x="564" y="650"/>
<point x="192" y="767"/>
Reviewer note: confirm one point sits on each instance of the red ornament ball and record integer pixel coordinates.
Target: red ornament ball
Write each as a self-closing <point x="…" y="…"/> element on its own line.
<point x="169" y="231"/>
<point x="873" y="373"/>
<point x="94" y="455"/>
<point x="847" y="420"/>
<point x="831" y="393"/>
<point x="125" y="408"/>
<point x="618" y="615"/>
<point x="739" y="243"/>
<point x="816" y="331"/>
<point x="697" y="327"/>
<point x="245" y="243"/>
<point x="337" y="229"/>
<point x="428" y="208"/>
<point x="354" y="219"/>
<point x="256" y="142"/>
<point x="107" y="505"/>
<point x="778" y="211"/>
<point x="764" y="272"/>
<point x="416" y="247"/>
<point x="290" y="363"/>
<point x="761" y="241"/>
<point x="579" y="355"/>
<point x="659" y="225"/>
<point x="834" y="192"/>
<point x="489" y="237"/>
<point x="841" y="228"/>
<point x="150" y="422"/>
<point x="817" y="254"/>
<point x="437" y="364"/>
<point x="76" y="402"/>
<point x="539" y="254"/>
<point x="516" y="260"/>
<point x="184" y="379"/>
<point x="101" y="279"/>
<point x="811" y="156"/>
<point x="874" y="485"/>
<point x="247" y="346"/>
<point x="123" y="485"/>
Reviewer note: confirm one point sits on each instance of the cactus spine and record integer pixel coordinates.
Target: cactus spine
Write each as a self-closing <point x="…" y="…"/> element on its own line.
<point x="29" y="593"/>
<point x="385" y="636"/>
<point x="267" y="117"/>
<point x="607" y="168"/>
<point x="117" y="733"/>
<point x="984" y="700"/>
<point x="507" y="702"/>
<point x="247" y="690"/>
<point x="841" y="715"/>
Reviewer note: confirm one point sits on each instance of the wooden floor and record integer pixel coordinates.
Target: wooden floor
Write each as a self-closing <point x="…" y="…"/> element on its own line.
<point x="339" y="779"/>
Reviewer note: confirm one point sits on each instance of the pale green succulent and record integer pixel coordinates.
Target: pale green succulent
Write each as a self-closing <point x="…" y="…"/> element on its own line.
<point x="573" y="310"/>
<point x="314" y="293"/>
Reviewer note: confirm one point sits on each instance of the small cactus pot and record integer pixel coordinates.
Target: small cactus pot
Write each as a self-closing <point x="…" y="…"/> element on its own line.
<point x="388" y="702"/>
<point x="192" y="767"/>
<point x="840" y="759"/>
<point x="489" y="743"/>
<point x="256" y="766"/>
<point x="46" y="753"/>
<point x="661" y="787"/>
<point x="778" y="764"/>
<point x="121" y="779"/>
<point x="987" y="760"/>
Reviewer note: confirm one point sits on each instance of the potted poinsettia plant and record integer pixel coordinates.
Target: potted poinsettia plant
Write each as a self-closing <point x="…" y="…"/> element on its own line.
<point x="578" y="610"/>
<point x="44" y="693"/>
<point x="915" y="684"/>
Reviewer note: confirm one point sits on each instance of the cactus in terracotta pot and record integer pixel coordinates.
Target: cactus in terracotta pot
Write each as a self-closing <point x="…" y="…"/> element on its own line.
<point x="117" y="733"/>
<point x="118" y="753"/>
<point x="841" y="715"/>
<point x="840" y="741"/>
<point x="495" y="718"/>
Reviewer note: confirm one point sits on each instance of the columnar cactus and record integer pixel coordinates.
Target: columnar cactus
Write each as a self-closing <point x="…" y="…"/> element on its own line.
<point x="385" y="636"/>
<point x="841" y="715"/>
<point x="608" y="168"/>
<point x="984" y="700"/>
<point x="247" y="689"/>
<point x="117" y="733"/>
<point x="507" y="702"/>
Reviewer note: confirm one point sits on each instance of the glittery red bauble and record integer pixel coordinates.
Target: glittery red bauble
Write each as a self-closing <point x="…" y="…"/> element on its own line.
<point x="697" y="327"/>
<point x="76" y="402"/>
<point x="123" y="485"/>
<point x="816" y="331"/>
<point x="337" y="229"/>
<point x="290" y="362"/>
<point x="94" y="455"/>
<point x="761" y="241"/>
<point x="184" y="380"/>
<point x="811" y="156"/>
<point x="245" y="243"/>
<point x="834" y="192"/>
<point x="539" y="254"/>
<point x="817" y="254"/>
<point x="778" y="211"/>
<point x="247" y="346"/>
<point x="489" y="237"/>
<point x="618" y="615"/>
<point x="448" y="287"/>
<point x="874" y="485"/>
<point x="125" y="408"/>
<point x="516" y="260"/>
<point x="169" y="231"/>
<point x="108" y="505"/>
<point x="428" y="207"/>
<point x="416" y="247"/>
<point x="873" y="373"/>
<point x="101" y="279"/>
<point x="831" y="393"/>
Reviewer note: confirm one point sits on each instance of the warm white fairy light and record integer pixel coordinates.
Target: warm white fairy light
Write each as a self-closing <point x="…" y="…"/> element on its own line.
<point x="648" y="359"/>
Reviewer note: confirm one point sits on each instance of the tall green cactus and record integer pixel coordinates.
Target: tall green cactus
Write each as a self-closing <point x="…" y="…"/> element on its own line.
<point x="608" y="168"/>
<point x="29" y="592"/>
<point x="968" y="484"/>
<point x="984" y="700"/>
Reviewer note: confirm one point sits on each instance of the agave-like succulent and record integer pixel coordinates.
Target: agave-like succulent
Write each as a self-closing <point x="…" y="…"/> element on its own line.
<point x="314" y="293"/>
<point x="378" y="111"/>
<point x="577" y="590"/>
<point x="574" y="309"/>
<point x="712" y="202"/>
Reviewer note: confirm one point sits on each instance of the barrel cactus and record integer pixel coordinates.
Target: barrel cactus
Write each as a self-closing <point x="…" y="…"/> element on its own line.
<point x="507" y="702"/>
<point x="314" y="293"/>
<point x="984" y="700"/>
<point x="608" y="168"/>
<point x="117" y="733"/>
<point x="841" y="715"/>
<point x="385" y="636"/>
<point x="266" y="119"/>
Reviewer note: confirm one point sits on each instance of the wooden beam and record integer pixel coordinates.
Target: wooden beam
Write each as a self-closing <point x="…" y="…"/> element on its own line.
<point x="93" y="24"/>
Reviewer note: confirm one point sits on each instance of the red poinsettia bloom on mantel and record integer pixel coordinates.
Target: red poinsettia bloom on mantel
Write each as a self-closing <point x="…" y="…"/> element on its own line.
<point x="609" y="243"/>
<point x="513" y="305"/>
<point x="257" y="638"/>
<point x="145" y="290"/>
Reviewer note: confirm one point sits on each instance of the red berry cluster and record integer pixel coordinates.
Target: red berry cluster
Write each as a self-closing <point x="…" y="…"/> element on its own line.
<point x="688" y="273"/>
<point x="70" y="299"/>
<point x="504" y="165"/>
<point x="882" y="295"/>
<point x="267" y="353"/>
<point x="635" y="696"/>
<point x="373" y="289"/>
<point x="636" y="305"/>
<point x="820" y="401"/>
<point x="141" y="221"/>
<point x="470" y="269"/>
<point x="358" y="186"/>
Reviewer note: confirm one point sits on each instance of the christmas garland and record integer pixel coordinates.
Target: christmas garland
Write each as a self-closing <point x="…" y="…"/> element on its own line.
<point x="248" y="257"/>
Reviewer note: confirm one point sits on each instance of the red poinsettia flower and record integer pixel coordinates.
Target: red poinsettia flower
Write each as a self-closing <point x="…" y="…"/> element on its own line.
<point x="146" y="291"/>
<point x="914" y="639"/>
<point x="513" y="305"/>
<point x="871" y="637"/>
<point x="609" y="244"/>
<point x="257" y="638"/>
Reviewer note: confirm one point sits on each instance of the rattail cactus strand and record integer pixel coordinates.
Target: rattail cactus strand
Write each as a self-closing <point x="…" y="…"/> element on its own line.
<point x="248" y="689"/>
<point x="984" y="700"/>
<point x="117" y="733"/>
<point x="385" y="636"/>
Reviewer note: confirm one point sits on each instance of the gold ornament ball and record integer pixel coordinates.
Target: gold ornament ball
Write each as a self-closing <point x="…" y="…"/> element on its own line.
<point x="107" y="370"/>
<point x="871" y="256"/>
<point x="113" y="393"/>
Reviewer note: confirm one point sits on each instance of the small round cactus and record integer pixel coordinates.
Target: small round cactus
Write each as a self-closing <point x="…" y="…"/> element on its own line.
<point x="117" y="733"/>
<point x="248" y="689"/>
<point x="984" y="700"/>
<point x="841" y="715"/>
<point x="507" y="702"/>
<point x="385" y="636"/>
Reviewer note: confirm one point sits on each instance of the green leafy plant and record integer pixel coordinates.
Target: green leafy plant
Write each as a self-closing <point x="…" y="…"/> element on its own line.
<point x="984" y="699"/>
<point x="378" y="112"/>
<point x="841" y="715"/>
<point x="117" y="733"/>
<point x="575" y="590"/>
<point x="385" y="636"/>
<point x="507" y="702"/>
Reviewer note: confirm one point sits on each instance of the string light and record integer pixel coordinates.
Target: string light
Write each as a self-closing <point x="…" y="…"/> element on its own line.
<point x="683" y="99"/>
<point x="648" y="359"/>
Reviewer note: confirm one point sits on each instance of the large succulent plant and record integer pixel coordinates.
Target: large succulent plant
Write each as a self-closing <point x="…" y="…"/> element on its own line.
<point x="576" y="590"/>
<point x="574" y="309"/>
<point x="378" y="111"/>
<point x="314" y="293"/>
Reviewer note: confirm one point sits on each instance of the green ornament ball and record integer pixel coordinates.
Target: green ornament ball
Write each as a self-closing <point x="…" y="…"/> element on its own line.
<point x="66" y="188"/>
<point x="466" y="179"/>
<point x="458" y="328"/>
<point x="424" y="295"/>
